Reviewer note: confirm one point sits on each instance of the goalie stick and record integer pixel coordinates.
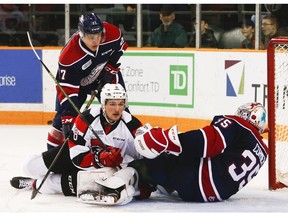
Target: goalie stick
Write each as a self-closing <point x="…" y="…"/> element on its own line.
<point x="35" y="192"/>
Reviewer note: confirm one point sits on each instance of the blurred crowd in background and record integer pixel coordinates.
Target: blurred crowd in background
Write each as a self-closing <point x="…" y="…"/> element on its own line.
<point x="223" y="26"/>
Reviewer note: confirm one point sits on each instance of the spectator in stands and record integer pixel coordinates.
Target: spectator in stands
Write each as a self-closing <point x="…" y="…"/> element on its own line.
<point x="169" y="33"/>
<point x="11" y="19"/>
<point x="208" y="39"/>
<point x="248" y="31"/>
<point x="279" y="11"/>
<point x="130" y="18"/>
<point x="269" y="28"/>
<point x="11" y="22"/>
<point x="40" y="25"/>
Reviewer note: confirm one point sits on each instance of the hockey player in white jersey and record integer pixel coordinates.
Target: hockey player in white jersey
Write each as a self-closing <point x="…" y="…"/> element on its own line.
<point x="84" y="151"/>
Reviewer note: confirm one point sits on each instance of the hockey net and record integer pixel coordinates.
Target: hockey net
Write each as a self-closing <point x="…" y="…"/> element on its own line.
<point x="277" y="62"/>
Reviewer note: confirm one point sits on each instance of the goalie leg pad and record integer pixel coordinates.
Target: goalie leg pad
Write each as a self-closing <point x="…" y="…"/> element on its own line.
<point x="126" y="176"/>
<point x="69" y="184"/>
<point x="118" y="189"/>
<point x="108" y="196"/>
<point x="86" y="179"/>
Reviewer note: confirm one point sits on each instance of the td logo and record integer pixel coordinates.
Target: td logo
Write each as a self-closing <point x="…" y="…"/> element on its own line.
<point x="178" y="79"/>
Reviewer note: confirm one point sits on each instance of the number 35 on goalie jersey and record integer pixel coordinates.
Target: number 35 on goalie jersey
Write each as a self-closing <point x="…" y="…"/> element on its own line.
<point x="232" y="155"/>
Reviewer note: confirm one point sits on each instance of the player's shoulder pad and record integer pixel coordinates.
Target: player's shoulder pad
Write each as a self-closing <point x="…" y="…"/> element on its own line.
<point x="90" y="114"/>
<point x="131" y="121"/>
<point x="216" y="119"/>
<point x="112" y="32"/>
<point x="72" y="51"/>
<point x="94" y="111"/>
<point x="243" y="123"/>
<point x="126" y="117"/>
<point x="220" y="118"/>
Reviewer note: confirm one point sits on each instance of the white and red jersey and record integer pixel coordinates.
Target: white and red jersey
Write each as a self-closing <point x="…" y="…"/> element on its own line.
<point x="120" y="135"/>
<point x="81" y="70"/>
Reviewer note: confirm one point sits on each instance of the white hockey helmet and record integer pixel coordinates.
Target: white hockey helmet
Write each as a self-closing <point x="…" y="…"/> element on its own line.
<point x="254" y="113"/>
<point x="112" y="91"/>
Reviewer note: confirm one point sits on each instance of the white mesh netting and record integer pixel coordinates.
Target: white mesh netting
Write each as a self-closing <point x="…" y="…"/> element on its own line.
<point x="281" y="112"/>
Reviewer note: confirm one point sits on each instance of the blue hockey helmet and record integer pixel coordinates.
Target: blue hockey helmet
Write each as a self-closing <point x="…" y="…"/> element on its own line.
<point x="90" y="23"/>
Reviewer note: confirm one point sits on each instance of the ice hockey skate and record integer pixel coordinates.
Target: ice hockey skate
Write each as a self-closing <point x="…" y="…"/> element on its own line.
<point x="20" y="182"/>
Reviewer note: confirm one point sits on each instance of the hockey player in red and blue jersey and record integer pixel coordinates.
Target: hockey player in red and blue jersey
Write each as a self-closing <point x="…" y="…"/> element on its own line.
<point x="205" y="165"/>
<point x="87" y="62"/>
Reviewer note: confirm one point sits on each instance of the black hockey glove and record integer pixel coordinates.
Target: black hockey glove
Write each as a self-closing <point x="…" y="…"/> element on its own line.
<point x="67" y="124"/>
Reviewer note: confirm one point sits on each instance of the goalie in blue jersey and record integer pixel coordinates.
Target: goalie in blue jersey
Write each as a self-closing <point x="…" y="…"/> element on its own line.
<point x="206" y="165"/>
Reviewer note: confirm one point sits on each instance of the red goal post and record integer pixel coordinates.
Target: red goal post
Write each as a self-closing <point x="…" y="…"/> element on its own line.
<point x="277" y="81"/>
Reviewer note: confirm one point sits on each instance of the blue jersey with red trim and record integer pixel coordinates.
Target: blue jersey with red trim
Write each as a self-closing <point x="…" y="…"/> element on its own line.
<point x="81" y="70"/>
<point x="216" y="161"/>
<point x="235" y="153"/>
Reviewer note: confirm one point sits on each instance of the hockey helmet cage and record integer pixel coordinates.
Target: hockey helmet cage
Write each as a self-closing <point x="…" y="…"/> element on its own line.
<point x="90" y="23"/>
<point x="254" y="113"/>
<point x="112" y="91"/>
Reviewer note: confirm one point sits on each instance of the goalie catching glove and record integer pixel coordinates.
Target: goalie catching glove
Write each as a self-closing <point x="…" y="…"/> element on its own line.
<point x="157" y="140"/>
<point x="107" y="158"/>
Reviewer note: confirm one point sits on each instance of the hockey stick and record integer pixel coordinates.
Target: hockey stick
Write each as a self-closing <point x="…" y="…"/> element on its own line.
<point x="93" y="94"/>
<point x="36" y="191"/>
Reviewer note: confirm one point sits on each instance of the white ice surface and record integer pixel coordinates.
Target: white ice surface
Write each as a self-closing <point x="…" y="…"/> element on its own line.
<point x="19" y="141"/>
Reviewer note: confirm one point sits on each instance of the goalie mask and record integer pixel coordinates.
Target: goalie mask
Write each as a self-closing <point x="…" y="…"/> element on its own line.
<point x="112" y="92"/>
<point x="90" y="23"/>
<point x="254" y="113"/>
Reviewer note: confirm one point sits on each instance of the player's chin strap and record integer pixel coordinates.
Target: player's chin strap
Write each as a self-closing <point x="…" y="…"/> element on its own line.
<point x="105" y="116"/>
<point x="103" y="106"/>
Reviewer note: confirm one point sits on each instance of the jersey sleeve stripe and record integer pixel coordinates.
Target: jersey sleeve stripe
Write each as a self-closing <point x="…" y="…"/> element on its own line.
<point x="214" y="141"/>
<point x="222" y="138"/>
<point x="200" y="180"/>
<point x="212" y="181"/>
<point x="69" y="85"/>
<point x="205" y="143"/>
<point x="65" y="99"/>
<point x="206" y="183"/>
